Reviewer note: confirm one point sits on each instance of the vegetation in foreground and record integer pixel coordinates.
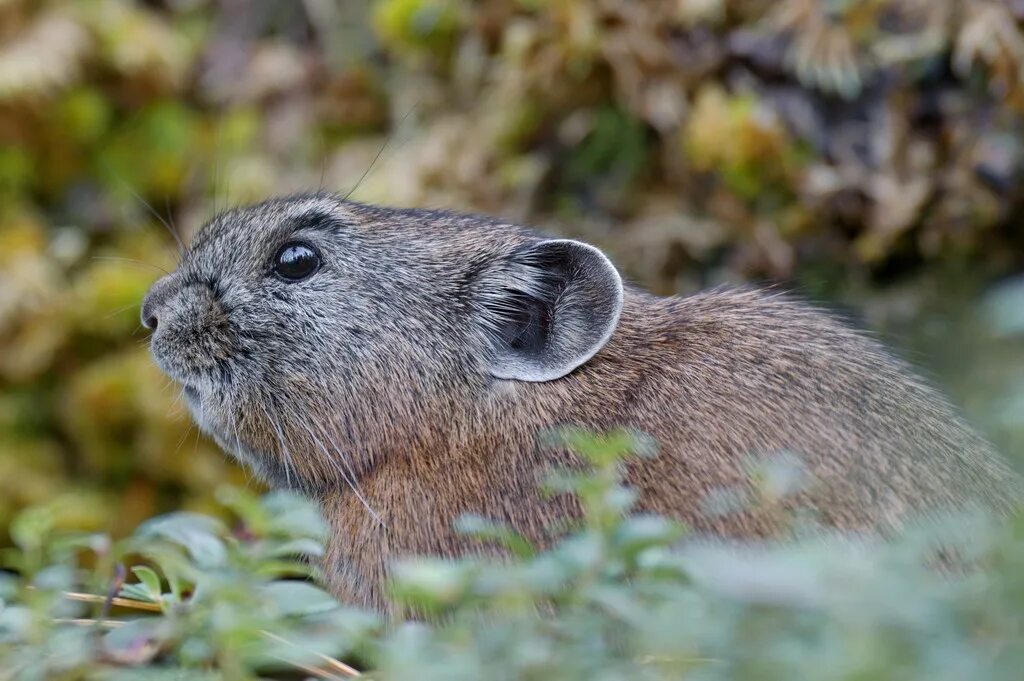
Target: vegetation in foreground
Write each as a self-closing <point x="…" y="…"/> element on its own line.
<point x="188" y="597"/>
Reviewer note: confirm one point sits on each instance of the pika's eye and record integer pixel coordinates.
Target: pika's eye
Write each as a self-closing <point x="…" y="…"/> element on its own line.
<point x="295" y="261"/>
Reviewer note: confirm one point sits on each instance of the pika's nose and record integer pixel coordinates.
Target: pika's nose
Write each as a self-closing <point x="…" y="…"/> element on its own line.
<point x="154" y="300"/>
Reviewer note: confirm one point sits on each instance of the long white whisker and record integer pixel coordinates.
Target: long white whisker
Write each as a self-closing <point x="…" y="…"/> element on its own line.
<point x="288" y="463"/>
<point x="202" y="419"/>
<point x="123" y="308"/>
<point x="380" y="152"/>
<point x="168" y="384"/>
<point x="174" y="235"/>
<point x="131" y="261"/>
<point x="217" y="153"/>
<point x="349" y="477"/>
<point x="233" y="422"/>
<point x="191" y="424"/>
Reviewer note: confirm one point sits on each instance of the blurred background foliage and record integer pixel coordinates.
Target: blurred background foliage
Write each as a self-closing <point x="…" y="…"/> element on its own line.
<point x="865" y="153"/>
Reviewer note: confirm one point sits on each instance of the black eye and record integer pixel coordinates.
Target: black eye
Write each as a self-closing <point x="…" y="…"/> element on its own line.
<point x="296" y="261"/>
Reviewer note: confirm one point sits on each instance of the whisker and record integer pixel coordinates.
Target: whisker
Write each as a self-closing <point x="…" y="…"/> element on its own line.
<point x="119" y="310"/>
<point x="130" y="260"/>
<point x="154" y="213"/>
<point x="168" y="384"/>
<point x="284" y="448"/>
<point x="177" y="404"/>
<point x="217" y="152"/>
<point x="184" y="437"/>
<point x="380" y="152"/>
<point x="349" y="477"/>
<point x="170" y="214"/>
<point x="323" y="162"/>
<point x="238" y="437"/>
<point x="202" y="417"/>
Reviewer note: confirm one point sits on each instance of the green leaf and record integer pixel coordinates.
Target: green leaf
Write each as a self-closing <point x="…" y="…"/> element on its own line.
<point x="137" y="592"/>
<point x="245" y="505"/>
<point x="197" y="534"/>
<point x="292" y="515"/>
<point x="581" y="552"/>
<point x="155" y="674"/>
<point x="278" y="569"/>
<point x="292" y="598"/>
<point x="302" y="546"/>
<point x="9" y="587"/>
<point x="641" y="532"/>
<point x="15" y="623"/>
<point x="30" y="527"/>
<point x="778" y="476"/>
<point x="482" y="528"/>
<point x="54" y="578"/>
<point x="430" y="584"/>
<point x="150" y="580"/>
<point x="136" y="642"/>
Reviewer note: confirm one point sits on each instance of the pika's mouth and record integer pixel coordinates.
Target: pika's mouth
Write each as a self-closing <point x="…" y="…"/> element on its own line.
<point x="208" y="411"/>
<point x="195" y="374"/>
<point x="193" y="399"/>
<point x="263" y="464"/>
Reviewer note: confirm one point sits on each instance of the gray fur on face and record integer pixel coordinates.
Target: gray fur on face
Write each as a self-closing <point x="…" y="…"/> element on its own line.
<point x="410" y="312"/>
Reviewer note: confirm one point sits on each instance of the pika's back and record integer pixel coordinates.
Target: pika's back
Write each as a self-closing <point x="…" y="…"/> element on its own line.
<point x="726" y="376"/>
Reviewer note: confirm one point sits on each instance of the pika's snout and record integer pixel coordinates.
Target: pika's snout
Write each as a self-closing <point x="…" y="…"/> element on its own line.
<point x="191" y="332"/>
<point x="154" y="301"/>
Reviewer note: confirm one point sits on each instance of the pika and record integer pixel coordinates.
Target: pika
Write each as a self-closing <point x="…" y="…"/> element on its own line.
<point x="401" y="366"/>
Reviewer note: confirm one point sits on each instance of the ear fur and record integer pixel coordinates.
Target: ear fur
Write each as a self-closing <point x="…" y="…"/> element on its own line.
<point x="548" y="308"/>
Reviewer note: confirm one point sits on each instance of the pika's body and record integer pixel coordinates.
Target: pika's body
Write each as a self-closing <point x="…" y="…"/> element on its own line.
<point x="402" y="366"/>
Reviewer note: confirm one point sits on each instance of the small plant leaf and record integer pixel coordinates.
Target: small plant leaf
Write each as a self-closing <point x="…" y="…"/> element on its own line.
<point x="150" y="580"/>
<point x="293" y="598"/>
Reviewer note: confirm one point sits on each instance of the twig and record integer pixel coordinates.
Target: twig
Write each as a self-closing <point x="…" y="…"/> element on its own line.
<point x="315" y="671"/>
<point x="333" y="663"/>
<point x="85" y="622"/>
<point x="119" y="602"/>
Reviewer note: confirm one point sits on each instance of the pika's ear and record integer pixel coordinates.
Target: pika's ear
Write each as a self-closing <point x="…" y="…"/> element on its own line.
<point x="548" y="308"/>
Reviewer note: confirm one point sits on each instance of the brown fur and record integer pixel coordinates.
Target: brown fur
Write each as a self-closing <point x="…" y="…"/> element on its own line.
<point x="375" y="368"/>
<point x="715" y="378"/>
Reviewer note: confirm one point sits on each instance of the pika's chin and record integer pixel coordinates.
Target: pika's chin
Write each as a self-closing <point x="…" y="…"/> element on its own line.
<point x="200" y="408"/>
<point x="206" y="418"/>
<point x="263" y="465"/>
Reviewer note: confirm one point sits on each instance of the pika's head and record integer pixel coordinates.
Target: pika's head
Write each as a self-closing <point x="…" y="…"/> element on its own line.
<point x="313" y="336"/>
